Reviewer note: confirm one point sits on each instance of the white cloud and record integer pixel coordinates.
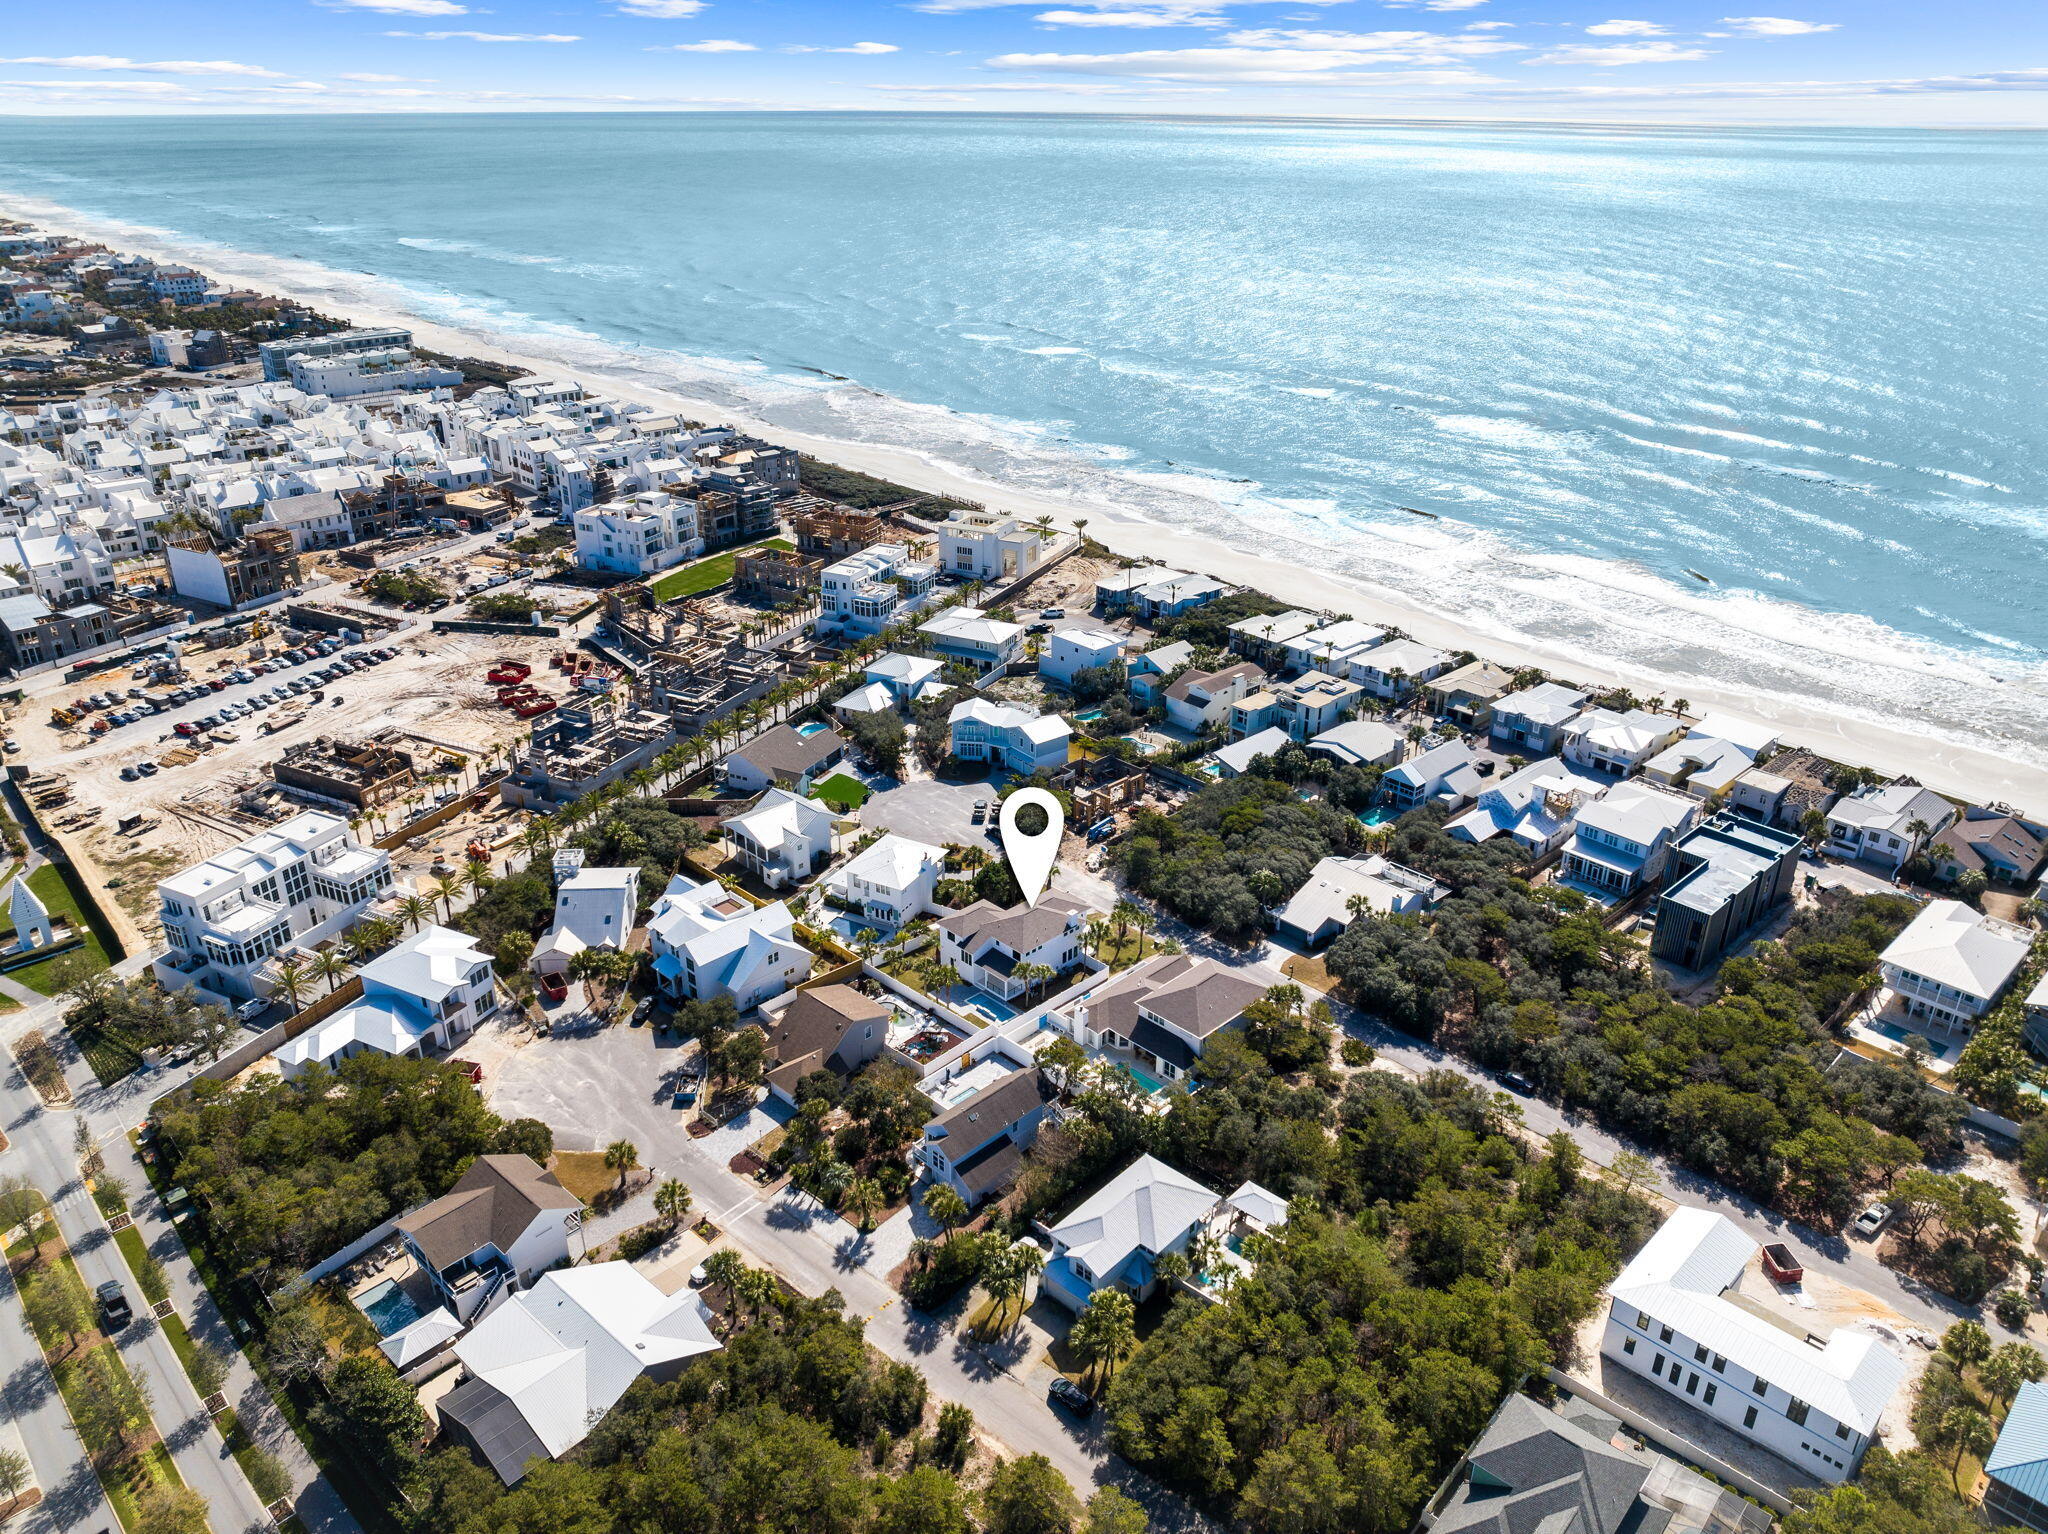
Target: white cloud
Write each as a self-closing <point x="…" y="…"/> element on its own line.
<point x="661" y="10"/>
<point x="1387" y="47"/>
<point x="1489" y="26"/>
<point x="709" y="45"/>
<point x="1171" y="17"/>
<point x="1778" y="26"/>
<point x="103" y="61"/>
<point x="1617" y="54"/>
<point x="388" y="79"/>
<point x="1201" y="13"/>
<point x="493" y="37"/>
<point x="1432" y="5"/>
<point x="1626" y="29"/>
<point x="1045" y="87"/>
<point x="860" y="48"/>
<point x="398" y="7"/>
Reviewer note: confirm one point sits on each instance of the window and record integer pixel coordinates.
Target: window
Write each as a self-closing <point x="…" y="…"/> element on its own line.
<point x="1664" y="1333"/>
<point x="1699" y="1352"/>
<point x="1842" y="1430"/>
<point x="1657" y="1366"/>
<point x="1707" y="1397"/>
<point x="1797" y="1411"/>
<point x="1628" y="1344"/>
<point x="1692" y="1384"/>
<point x="1749" y="1417"/>
<point x="1720" y="1364"/>
<point x="1760" y="1387"/>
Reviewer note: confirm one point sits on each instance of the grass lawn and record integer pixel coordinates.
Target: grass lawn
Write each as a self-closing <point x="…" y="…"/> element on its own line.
<point x="840" y="789"/>
<point x="706" y="573"/>
<point x="1135" y="945"/>
<point x="1309" y="972"/>
<point x="584" y="1173"/>
<point x="48" y="976"/>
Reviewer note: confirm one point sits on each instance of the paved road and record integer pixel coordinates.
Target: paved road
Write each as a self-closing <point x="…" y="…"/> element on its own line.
<point x="41" y="1149"/>
<point x="72" y="1499"/>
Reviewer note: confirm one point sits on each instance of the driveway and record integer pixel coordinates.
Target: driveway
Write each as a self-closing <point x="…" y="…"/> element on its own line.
<point x="932" y="811"/>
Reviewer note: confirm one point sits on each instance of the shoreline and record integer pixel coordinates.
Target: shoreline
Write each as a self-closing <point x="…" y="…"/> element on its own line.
<point x="1972" y="772"/>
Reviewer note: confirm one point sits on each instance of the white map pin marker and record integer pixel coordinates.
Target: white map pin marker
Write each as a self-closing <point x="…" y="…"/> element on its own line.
<point x="1032" y="855"/>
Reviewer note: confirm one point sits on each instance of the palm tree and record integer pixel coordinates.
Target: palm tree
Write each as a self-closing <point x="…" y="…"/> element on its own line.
<point x="444" y="890"/>
<point x="290" y="977"/>
<point x="1106" y="1333"/>
<point x="1121" y="915"/>
<point x="672" y="1202"/>
<point x="947" y="1208"/>
<point x="1970" y="1431"/>
<point x="723" y="1269"/>
<point x="621" y="1156"/>
<point x="415" y="911"/>
<point x="864" y="1197"/>
<point x="1095" y="933"/>
<point x="330" y="966"/>
<point x="922" y="1249"/>
<point x="1007" y="1276"/>
<point x="759" y="1291"/>
<point x="476" y="874"/>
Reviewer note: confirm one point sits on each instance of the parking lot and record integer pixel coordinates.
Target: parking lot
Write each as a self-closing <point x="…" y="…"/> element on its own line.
<point x="933" y="811"/>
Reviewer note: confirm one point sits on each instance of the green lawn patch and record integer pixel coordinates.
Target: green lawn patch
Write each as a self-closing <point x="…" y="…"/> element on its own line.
<point x="840" y="789"/>
<point x="690" y="580"/>
<point x="51" y="975"/>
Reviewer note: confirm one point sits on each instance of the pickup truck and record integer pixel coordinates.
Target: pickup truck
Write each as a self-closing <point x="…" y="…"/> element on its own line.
<point x="1780" y="1265"/>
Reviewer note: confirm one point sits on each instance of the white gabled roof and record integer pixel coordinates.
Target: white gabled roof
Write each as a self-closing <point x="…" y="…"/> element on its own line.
<point x="1680" y="1278"/>
<point x="894" y="863"/>
<point x="429" y="964"/>
<point x="565" y="1350"/>
<point x="1148" y="1204"/>
<point x="1953" y="945"/>
<point x="409" y="1344"/>
<point x="868" y="698"/>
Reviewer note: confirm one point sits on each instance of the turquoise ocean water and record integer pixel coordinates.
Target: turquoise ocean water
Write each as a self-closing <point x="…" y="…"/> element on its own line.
<point x="1805" y="364"/>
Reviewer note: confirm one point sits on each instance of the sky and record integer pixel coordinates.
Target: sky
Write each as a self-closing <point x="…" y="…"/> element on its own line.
<point x="1967" y="63"/>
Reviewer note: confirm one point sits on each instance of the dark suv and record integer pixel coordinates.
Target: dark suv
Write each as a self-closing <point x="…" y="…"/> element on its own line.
<point x="113" y="1305"/>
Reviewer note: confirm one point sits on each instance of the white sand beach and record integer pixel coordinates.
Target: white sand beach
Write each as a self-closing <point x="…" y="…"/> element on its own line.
<point x="1979" y="775"/>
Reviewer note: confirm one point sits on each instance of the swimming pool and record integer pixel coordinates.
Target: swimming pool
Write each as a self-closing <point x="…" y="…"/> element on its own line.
<point x="1378" y="815"/>
<point x="1144" y="1078"/>
<point x="1087" y="714"/>
<point x="389" y="1307"/>
<point x="812" y="728"/>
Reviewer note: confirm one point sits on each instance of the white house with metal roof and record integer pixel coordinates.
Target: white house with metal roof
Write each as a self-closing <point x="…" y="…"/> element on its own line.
<point x="971" y="637"/>
<point x="783" y="837"/>
<point x="1322" y="908"/>
<point x="1680" y="1318"/>
<point x="708" y="942"/>
<point x="1876" y="824"/>
<point x="1951" y="964"/>
<point x="1623" y="840"/>
<point x="1536" y="806"/>
<point x="891" y="882"/>
<point x="428" y="993"/>
<point x="543" y="1368"/>
<point x="1115" y="1239"/>
<point x="2017" y="1470"/>
<point x="1535" y="717"/>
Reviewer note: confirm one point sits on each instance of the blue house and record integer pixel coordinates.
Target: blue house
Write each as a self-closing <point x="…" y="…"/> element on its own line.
<point x="2018" y="1466"/>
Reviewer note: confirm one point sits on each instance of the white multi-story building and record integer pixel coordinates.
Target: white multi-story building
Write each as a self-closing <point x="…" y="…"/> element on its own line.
<point x="988" y="944"/>
<point x="708" y="942"/>
<point x="1304" y="707"/>
<point x="1017" y="739"/>
<point x="1623" y="840"/>
<point x="1536" y="806"/>
<point x="426" y="995"/>
<point x="1446" y="774"/>
<point x="1070" y="650"/>
<point x="1693" y="1317"/>
<point x="1951" y="964"/>
<point x="1535" y="717"/>
<point x="350" y="374"/>
<point x="300" y="882"/>
<point x="1397" y="668"/>
<point x="1199" y="700"/>
<point x="970" y="637"/>
<point x="638" y="535"/>
<point x="594" y="908"/>
<point x="783" y="837"/>
<point x="1617" y="744"/>
<point x="891" y="882"/>
<point x="864" y="593"/>
<point x="977" y="545"/>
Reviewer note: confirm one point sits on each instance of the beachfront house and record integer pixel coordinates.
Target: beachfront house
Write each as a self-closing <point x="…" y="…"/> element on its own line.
<point x="1950" y="966"/>
<point x="980" y="545"/>
<point x="1887" y="825"/>
<point x="637" y="534"/>
<point x="967" y="636"/>
<point x="1536" y="806"/>
<point x="1198" y="701"/>
<point x="1394" y="670"/>
<point x="1447" y="774"/>
<point x="782" y="838"/>
<point x="867" y="591"/>
<point x="1713" y="755"/>
<point x="1692" y="1315"/>
<point x="1466" y="696"/>
<point x="1623" y="840"/>
<point x="1263" y="640"/>
<point x="1340" y="889"/>
<point x="1117" y="591"/>
<point x="1175" y="594"/>
<point x="425" y="996"/>
<point x="1070" y="650"/>
<point x="1616" y="744"/>
<point x="1360" y="743"/>
<point x="988" y="944"/>
<point x="707" y="942"/>
<point x="1534" y="718"/>
<point x="977" y="1147"/>
<point x="890" y="882"/>
<point x="2003" y="848"/>
<point x="1010" y="737"/>
<point x="1331" y="647"/>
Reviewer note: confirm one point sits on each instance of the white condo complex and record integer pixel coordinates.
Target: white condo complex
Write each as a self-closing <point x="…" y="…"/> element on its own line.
<point x="1682" y="1320"/>
<point x="303" y="880"/>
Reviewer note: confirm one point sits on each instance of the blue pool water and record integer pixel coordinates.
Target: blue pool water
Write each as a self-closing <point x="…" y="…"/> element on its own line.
<point x="1087" y="714"/>
<point x="1144" y="1078"/>
<point x="389" y="1307"/>
<point x="1803" y="362"/>
<point x="811" y="728"/>
<point x="1378" y="815"/>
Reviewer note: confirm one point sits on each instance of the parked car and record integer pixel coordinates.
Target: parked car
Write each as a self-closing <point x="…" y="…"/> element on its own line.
<point x="1053" y="612"/>
<point x="147" y="769"/>
<point x="1064" y="1392"/>
<point x="255" y="1007"/>
<point x="699" y="1277"/>
<point x="114" y="1307"/>
<point x="1871" y="1221"/>
<point x="129" y="774"/>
